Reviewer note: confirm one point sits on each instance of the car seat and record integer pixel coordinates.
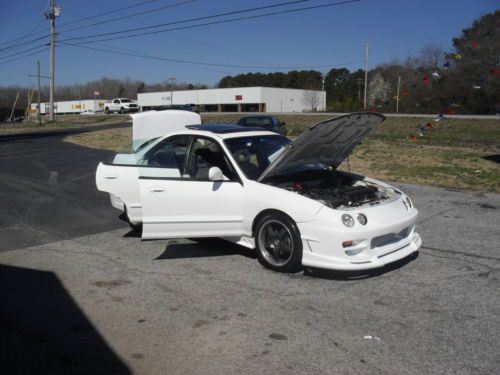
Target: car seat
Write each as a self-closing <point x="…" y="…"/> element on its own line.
<point x="243" y="157"/>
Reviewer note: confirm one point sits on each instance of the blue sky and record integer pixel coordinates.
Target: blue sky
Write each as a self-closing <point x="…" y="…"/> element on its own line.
<point x="328" y="36"/>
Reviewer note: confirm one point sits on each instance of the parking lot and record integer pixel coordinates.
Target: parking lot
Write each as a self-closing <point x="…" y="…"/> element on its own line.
<point x="81" y="293"/>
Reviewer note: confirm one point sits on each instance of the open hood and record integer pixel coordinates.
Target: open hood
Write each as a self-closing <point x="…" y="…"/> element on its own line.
<point x="152" y="124"/>
<point x="329" y="142"/>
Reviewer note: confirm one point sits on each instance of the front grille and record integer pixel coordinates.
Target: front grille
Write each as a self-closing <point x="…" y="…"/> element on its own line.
<point x="390" y="238"/>
<point x="133" y="105"/>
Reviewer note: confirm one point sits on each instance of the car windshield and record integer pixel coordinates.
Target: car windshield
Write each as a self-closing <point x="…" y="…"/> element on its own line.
<point x="254" y="153"/>
<point x="126" y="101"/>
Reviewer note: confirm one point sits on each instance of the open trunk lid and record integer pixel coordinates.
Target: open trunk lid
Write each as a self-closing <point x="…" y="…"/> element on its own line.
<point x="153" y="124"/>
<point x="329" y="142"/>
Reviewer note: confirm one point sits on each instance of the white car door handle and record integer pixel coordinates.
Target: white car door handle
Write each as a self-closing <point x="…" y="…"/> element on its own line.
<point x="156" y="189"/>
<point x="110" y="176"/>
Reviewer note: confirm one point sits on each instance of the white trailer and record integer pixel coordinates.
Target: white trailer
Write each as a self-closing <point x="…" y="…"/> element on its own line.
<point x="70" y="106"/>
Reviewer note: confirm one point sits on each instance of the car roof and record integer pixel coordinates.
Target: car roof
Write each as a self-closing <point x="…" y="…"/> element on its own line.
<point x="223" y="128"/>
<point x="193" y="130"/>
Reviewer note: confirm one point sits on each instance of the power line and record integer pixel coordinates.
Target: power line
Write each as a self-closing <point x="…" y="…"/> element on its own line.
<point x="76" y="21"/>
<point x="10" y="42"/>
<point x="204" y="24"/>
<point x="193" y="62"/>
<point x="23" y="51"/>
<point x="107" y="13"/>
<point x="31" y="32"/>
<point x="198" y="19"/>
<point x="22" y="57"/>
<point x="193" y="19"/>
<point x="131" y="15"/>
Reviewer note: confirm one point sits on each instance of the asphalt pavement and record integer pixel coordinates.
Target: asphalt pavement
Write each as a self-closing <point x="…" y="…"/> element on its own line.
<point x="47" y="188"/>
<point x="81" y="293"/>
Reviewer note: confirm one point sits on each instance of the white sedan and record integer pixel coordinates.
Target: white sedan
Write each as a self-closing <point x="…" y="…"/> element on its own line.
<point x="287" y="200"/>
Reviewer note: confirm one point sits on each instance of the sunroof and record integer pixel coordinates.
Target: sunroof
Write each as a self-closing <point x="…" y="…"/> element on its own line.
<point x="223" y="128"/>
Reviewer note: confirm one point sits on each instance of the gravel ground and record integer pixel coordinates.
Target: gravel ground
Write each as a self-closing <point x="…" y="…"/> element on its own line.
<point x="111" y="303"/>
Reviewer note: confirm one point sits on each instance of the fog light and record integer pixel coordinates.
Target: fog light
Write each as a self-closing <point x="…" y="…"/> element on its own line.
<point x="346" y="243"/>
<point x="348" y="220"/>
<point x="408" y="201"/>
<point x="354" y="252"/>
<point x="362" y="219"/>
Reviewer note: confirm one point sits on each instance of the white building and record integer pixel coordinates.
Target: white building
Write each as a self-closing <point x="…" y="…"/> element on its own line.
<point x="240" y="99"/>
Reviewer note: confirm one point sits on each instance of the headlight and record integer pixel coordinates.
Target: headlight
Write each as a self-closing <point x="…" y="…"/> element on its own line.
<point x="362" y="219"/>
<point x="348" y="220"/>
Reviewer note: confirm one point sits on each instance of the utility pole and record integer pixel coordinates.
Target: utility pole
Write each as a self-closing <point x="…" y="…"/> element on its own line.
<point x="13" y="107"/>
<point x="38" y="76"/>
<point x="39" y="104"/>
<point x="52" y="18"/>
<point x="397" y="95"/>
<point x="366" y="74"/>
<point x="172" y="81"/>
<point x="359" y="89"/>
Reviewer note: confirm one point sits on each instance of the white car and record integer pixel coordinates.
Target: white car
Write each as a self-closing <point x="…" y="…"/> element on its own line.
<point x="287" y="200"/>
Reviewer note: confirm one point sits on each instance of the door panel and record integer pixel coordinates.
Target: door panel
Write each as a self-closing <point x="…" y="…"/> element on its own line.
<point x="189" y="208"/>
<point x="121" y="183"/>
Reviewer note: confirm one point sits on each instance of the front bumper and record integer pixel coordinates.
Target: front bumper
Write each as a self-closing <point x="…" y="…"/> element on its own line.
<point x="376" y="261"/>
<point x="388" y="236"/>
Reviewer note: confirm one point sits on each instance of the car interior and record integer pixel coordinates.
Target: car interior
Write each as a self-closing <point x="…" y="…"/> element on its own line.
<point x="207" y="154"/>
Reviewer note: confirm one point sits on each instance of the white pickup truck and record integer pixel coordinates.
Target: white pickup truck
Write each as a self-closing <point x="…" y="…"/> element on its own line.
<point x="121" y="105"/>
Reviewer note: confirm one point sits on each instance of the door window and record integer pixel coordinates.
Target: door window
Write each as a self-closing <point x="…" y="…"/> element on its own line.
<point x="206" y="153"/>
<point x="170" y="154"/>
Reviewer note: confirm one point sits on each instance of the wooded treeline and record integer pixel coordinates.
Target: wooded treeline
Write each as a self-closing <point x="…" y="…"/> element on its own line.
<point x="465" y="80"/>
<point x="107" y="89"/>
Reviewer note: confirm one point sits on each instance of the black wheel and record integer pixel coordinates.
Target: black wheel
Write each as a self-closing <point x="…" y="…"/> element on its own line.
<point x="279" y="246"/>
<point x="106" y="110"/>
<point x="122" y="110"/>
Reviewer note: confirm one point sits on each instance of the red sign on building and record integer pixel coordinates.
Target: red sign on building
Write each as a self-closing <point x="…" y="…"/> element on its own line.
<point x="238" y="97"/>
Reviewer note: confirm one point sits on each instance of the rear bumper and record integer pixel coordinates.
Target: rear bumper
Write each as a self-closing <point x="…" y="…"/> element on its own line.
<point x="116" y="202"/>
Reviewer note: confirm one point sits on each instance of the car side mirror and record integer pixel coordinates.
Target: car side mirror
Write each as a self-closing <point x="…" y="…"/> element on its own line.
<point x="215" y="174"/>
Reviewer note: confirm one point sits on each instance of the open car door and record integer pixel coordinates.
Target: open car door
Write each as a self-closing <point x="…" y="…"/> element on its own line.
<point x="192" y="205"/>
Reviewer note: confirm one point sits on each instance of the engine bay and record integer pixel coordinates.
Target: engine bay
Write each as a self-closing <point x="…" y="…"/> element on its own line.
<point x="336" y="189"/>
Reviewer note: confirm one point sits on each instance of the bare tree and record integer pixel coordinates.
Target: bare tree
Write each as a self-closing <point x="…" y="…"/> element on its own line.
<point x="431" y="56"/>
<point x="311" y="98"/>
<point x="379" y="89"/>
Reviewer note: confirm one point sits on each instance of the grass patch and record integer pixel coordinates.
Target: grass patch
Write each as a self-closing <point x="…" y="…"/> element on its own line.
<point x="448" y="155"/>
<point x="118" y="140"/>
<point x="62" y="122"/>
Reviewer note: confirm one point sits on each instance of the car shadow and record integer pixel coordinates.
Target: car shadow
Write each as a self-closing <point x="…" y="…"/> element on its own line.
<point x="204" y="247"/>
<point x="358" y="275"/>
<point x="43" y="331"/>
<point x="494" y="158"/>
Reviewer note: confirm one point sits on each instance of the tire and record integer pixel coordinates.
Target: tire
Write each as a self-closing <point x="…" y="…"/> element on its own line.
<point x="122" y="110"/>
<point x="106" y="110"/>
<point x="278" y="242"/>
